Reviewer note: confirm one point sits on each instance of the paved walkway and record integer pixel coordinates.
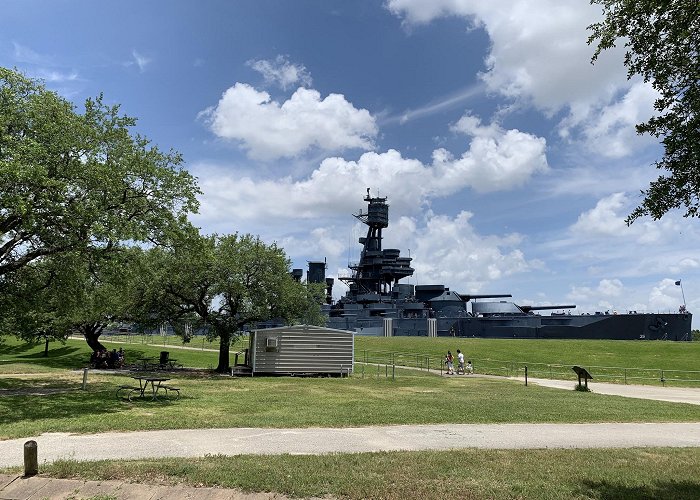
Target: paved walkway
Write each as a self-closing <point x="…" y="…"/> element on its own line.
<point x="689" y="395"/>
<point x="260" y="441"/>
<point x="199" y="442"/>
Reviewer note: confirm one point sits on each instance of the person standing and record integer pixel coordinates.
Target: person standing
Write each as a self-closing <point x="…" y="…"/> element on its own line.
<point x="449" y="360"/>
<point x="460" y="362"/>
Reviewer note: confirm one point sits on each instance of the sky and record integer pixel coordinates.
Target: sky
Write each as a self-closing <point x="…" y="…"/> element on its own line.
<point x="509" y="161"/>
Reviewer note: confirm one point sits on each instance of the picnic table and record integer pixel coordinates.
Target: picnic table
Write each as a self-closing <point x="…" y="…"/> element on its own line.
<point x="147" y="362"/>
<point x="156" y="384"/>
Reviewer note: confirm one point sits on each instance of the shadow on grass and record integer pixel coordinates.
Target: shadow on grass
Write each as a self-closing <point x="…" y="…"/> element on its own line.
<point x="74" y="403"/>
<point x="676" y="490"/>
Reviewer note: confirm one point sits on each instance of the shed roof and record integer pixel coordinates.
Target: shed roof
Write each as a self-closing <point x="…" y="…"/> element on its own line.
<point x="305" y="329"/>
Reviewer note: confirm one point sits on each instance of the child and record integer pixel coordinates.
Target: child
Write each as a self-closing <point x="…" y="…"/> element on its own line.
<point x="449" y="360"/>
<point x="469" y="368"/>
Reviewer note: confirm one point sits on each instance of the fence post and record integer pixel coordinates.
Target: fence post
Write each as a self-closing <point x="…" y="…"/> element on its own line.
<point x="393" y="372"/>
<point x="663" y="380"/>
<point x="85" y="372"/>
<point x="428" y="363"/>
<point x="386" y="371"/>
<point x="550" y="372"/>
<point x="525" y="375"/>
<point x="625" y="370"/>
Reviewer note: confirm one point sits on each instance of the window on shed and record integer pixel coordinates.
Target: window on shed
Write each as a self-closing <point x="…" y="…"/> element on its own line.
<point x="271" y="344"/>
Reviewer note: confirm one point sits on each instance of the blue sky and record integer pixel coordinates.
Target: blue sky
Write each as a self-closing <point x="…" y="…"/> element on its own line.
<point x="509" y="161"/>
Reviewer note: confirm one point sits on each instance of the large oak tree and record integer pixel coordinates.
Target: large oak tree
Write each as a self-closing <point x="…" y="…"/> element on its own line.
<point x="79" y="182"/>
<point x="224" y="284"/>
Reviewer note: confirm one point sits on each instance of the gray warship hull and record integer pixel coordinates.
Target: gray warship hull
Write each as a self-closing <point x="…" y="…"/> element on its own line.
<point x="639" y="326"/>
<point x="378" y="304"/>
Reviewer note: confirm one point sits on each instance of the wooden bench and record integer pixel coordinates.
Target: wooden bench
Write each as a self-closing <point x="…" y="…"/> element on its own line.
<point x="171" y="388"/>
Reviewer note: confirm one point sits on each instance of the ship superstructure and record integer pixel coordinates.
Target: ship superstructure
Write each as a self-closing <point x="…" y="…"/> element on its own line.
<point x="376" y="303"/>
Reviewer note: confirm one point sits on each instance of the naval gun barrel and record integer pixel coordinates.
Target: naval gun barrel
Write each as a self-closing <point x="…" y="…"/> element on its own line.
<point x="527" y="309"/>
<point x="468" y="297"/>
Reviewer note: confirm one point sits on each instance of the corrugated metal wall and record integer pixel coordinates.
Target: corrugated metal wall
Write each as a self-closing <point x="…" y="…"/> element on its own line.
<point x="303" y="350"/>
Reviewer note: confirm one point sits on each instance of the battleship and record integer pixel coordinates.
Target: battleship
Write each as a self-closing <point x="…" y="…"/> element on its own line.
<point x="377" y="304"/>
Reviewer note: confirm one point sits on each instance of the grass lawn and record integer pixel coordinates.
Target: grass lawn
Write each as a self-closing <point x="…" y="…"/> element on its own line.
<point x="643" y="360"/>
<point x="222" y="401"/>
<point x="659" y="473"/>
<point x="414" y="397"/>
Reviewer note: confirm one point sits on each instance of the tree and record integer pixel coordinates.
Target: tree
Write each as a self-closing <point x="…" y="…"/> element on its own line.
<point x="73" y="182"/>
<point x="223" y="284"/>
<point x="70" y="293"/>
<point x="663" y="46"/>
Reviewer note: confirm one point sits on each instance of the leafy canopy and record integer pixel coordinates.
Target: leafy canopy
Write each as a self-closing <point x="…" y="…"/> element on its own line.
<point x="663" y="46"/>
<point x="224" y="283"/>
<point x="79" y="182"/>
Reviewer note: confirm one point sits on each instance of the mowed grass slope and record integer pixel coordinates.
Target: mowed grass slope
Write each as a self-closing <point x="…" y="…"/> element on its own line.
<point x="613" y="353"/>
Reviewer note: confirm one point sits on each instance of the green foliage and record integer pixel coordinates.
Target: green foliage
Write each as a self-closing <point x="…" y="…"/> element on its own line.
<point x="696" y="335"/>
<point x="68" y="293"/>
<point x="223" y="284"/>
<point x="663" y="46"/>
<point x="73" y="182"/>
<point x="581" y="388"/>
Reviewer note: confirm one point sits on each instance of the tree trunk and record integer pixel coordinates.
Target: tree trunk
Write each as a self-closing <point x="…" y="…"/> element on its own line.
<point x="224" y="358"/>
<point x="92" y="332"/>
<point x="46" y="347"/>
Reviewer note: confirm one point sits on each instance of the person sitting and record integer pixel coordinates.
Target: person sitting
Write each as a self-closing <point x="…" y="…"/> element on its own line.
<point x="93" y="359"/>
<point x="102" y="359"/>
<point x="120" y="358"/>
<point x="469" y="369"/>
<point x="113" y="360"/>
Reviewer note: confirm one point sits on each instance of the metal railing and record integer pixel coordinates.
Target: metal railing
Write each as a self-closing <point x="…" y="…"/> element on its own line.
<point x="506" y="368"/>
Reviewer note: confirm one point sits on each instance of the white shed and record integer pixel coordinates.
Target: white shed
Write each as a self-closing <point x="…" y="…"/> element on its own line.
<point x="301" y="349"/>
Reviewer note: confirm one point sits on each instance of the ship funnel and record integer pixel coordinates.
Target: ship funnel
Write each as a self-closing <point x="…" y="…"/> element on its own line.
<point x="316" y="272"/>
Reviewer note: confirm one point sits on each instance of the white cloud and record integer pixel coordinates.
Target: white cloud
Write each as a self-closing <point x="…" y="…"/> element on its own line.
<point x="281" y="72"/>
<point x="606" y="289"/>
<point x="665" y="296"/>
<point x="24" y="54"/>
<point x="140" y="60"/>
<point x="538" y="47"/>
<point x="268" y="129"/>
<point x="539" y="56"/>
<point x="497" y="159"/>
<point x="610" y="131"/>
<point x="449" y="250"/>
<point x="606" y="221"/>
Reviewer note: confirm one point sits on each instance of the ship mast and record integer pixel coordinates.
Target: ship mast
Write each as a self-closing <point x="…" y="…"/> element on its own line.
<point x="378" y="268"/>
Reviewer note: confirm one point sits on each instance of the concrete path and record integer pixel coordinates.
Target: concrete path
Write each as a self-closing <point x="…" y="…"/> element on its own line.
<point x="688" y="395"/>
<point x="238" y="441"/>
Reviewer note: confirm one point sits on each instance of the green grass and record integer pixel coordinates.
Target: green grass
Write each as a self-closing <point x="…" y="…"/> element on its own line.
<point x="643" y="360"/>
<point x="659" y="473"/>
<point x="221" y="401"/>
<point x="19" y="357"/>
